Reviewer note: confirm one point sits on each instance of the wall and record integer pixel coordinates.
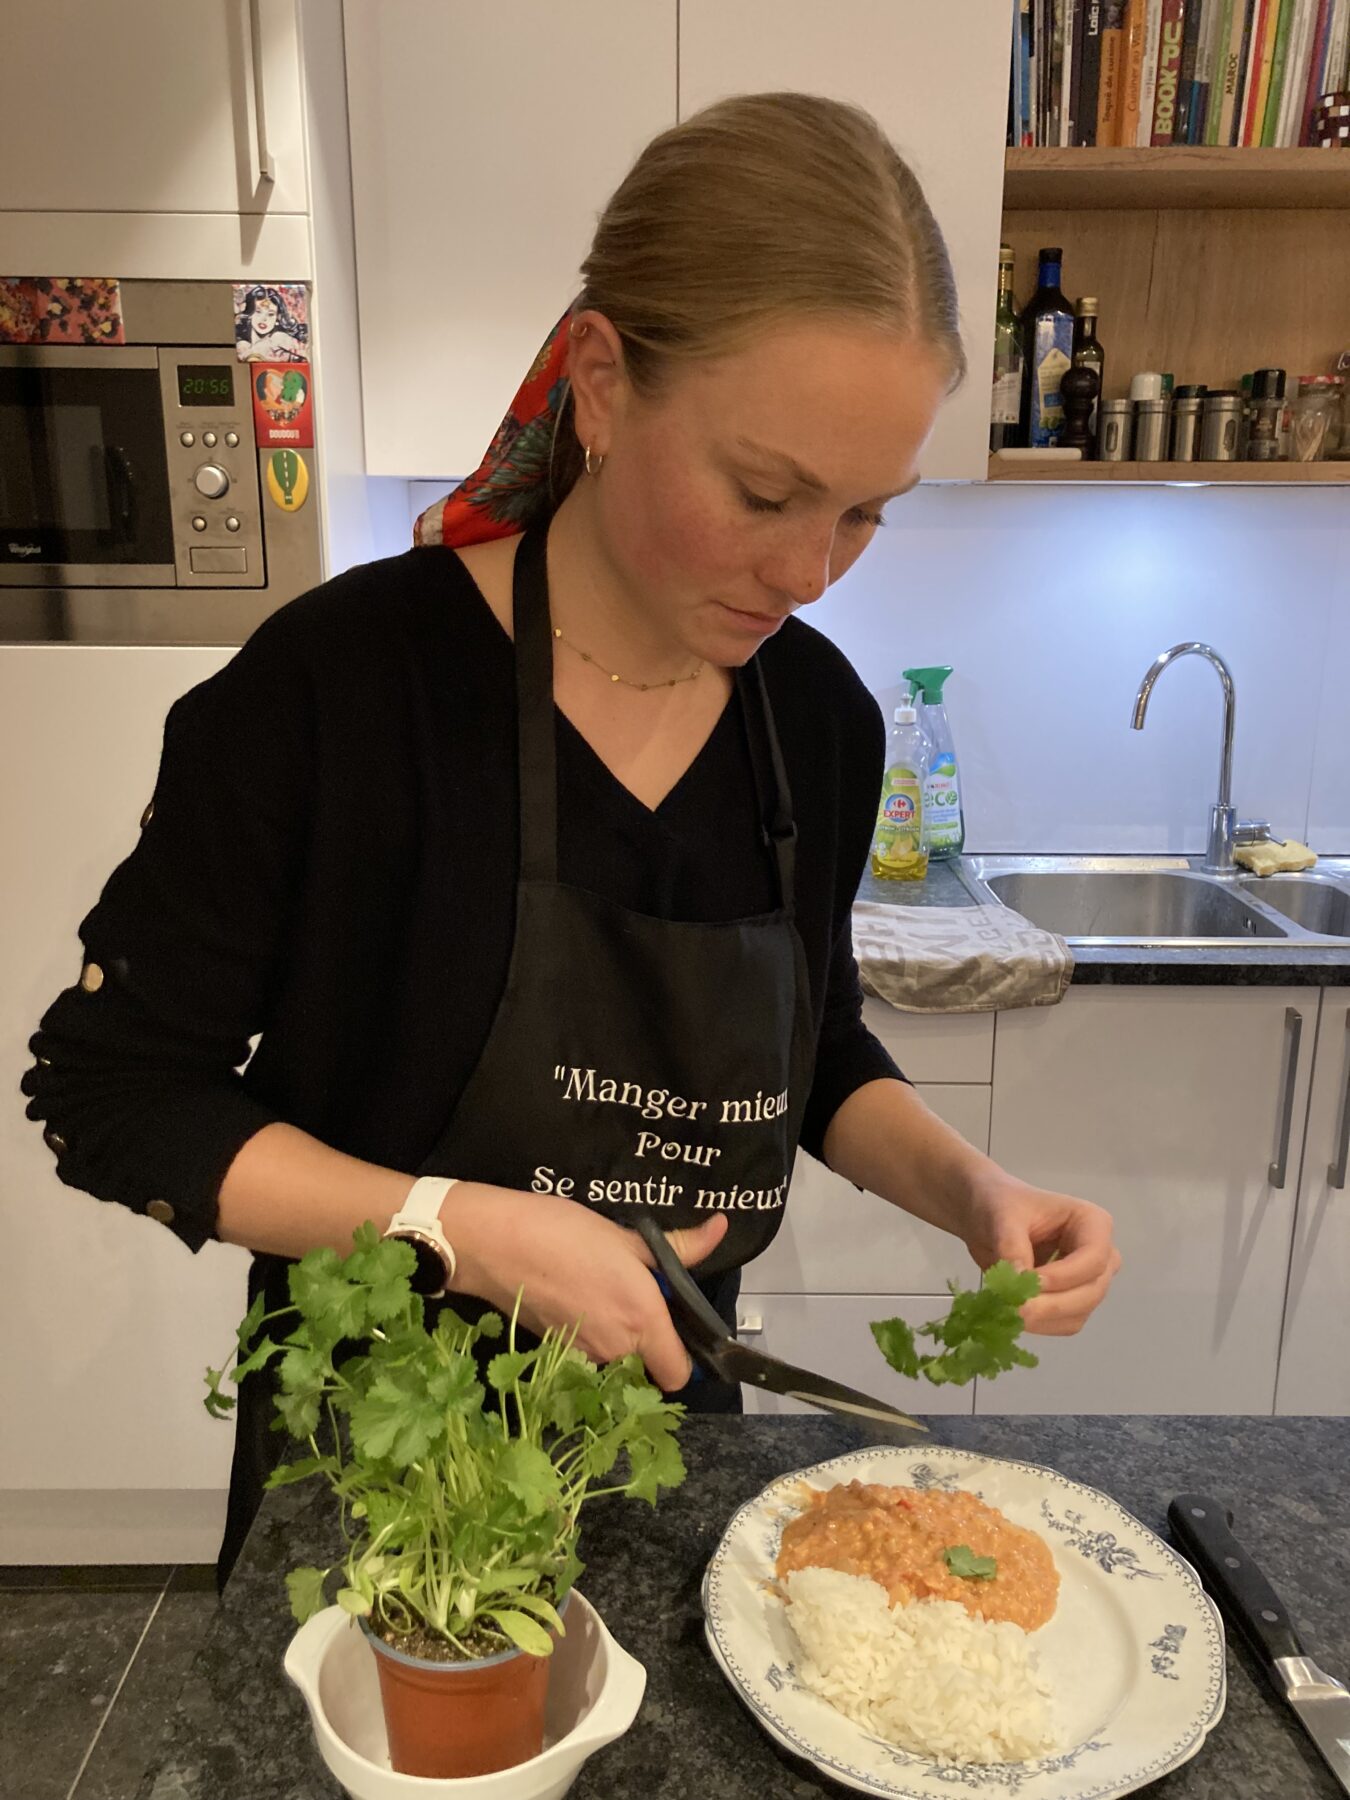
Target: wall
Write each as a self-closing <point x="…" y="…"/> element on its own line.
<point x="1051" y="603"/>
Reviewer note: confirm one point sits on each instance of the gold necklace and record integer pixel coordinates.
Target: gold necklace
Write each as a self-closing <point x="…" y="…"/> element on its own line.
<point x="644" y="687"/>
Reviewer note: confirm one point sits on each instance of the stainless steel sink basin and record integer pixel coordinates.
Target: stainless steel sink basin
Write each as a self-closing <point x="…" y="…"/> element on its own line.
<point x="1146" y="905"/>
<point x="1167" y="901"/>
<point x="1312" y="901"/>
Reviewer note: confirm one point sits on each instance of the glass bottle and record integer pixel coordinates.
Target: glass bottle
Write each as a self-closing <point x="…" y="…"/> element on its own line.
<point x="1006" y="409"/>
<point x="1047" y="340"/>
<point x="1088" y="353"/>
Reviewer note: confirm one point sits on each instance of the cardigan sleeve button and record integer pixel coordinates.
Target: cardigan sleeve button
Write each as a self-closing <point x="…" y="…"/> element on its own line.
<point x="147" y="815"/>
<point x="91" y="978"/>
<point x="161" y="1211"/>
<point x="54" y="1141"/>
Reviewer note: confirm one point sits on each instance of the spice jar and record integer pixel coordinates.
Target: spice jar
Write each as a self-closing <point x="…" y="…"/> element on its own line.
<point x="1221" y="426"/>
<point x="1115" y="430"/>
<point x="1315" y="418"/>
<point x="1187" y="413"/>
<point x="1263" y="436"/>
<point x="1151" y="419"/>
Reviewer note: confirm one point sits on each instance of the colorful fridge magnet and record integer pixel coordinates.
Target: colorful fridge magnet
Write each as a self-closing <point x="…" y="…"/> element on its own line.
<point x="271" y="321"/>
<point x="287" y="479"/>
<point x="282" y="411"/>
<point x="60" y="309"/>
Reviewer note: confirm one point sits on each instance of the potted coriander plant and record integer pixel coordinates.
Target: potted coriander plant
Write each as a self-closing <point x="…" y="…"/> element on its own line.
<point x="459" y="1500"/>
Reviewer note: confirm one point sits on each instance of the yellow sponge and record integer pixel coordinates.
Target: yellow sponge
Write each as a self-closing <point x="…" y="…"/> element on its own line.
<point x="1273" y="858"/>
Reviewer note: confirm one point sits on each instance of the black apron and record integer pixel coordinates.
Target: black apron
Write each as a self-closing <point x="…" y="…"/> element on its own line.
<point x="633" y="1062"/>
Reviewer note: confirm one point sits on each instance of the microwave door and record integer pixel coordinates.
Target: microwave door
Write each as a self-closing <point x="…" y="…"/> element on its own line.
<point x="84" y="480"/>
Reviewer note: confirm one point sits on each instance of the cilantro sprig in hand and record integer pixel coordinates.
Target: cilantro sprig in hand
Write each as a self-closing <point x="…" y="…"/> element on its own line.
<point x="978" y="1336"/>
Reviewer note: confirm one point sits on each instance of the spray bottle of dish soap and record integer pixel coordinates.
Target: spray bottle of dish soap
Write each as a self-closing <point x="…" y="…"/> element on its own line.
<point x="942" y="790"/>
<point x="900" y="839"/>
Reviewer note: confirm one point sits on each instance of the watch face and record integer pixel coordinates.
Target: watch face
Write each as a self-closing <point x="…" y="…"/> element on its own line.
<point x="429" y="1275"/>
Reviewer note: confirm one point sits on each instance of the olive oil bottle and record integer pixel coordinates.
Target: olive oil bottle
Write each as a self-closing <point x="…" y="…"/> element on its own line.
<point x="1005" y="412"/>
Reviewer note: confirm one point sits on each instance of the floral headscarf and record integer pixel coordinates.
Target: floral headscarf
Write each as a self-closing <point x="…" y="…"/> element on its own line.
<point x="502" y="495"/>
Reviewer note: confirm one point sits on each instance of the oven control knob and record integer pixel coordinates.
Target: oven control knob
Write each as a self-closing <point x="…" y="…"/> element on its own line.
<point x="211" y="480"/>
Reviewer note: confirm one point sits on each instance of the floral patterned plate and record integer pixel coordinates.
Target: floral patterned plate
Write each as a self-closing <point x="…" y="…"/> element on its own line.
<point x="1134" y="1653"/>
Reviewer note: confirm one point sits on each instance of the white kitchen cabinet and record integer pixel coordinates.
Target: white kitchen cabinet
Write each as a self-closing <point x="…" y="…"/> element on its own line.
<point x="150" y="107"/>
<point x="485" y="141"/>
<point x="1315" y="1353"/>
<point x="107" y="1453"/>
<point x="935" y="1047"/>
<point x="935" y="77"/>
<point x="835" y="1239"/>
<point x="1169" y="1106"/>
<point x="830" y="1334"/>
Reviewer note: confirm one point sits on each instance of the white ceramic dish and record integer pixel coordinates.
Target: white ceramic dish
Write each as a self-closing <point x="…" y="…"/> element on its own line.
<point x="1135" y="1650"/>
<point x="595" y="1689"/>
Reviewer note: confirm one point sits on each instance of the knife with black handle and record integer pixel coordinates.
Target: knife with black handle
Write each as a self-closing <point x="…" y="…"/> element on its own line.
<point x="1201" y="1527"/>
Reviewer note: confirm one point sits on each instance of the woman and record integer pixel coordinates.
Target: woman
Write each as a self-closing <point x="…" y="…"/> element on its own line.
<point x="562" y="964"/>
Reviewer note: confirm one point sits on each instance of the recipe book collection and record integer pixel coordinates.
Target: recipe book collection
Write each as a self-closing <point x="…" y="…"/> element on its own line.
<point x="1231" y="73"/>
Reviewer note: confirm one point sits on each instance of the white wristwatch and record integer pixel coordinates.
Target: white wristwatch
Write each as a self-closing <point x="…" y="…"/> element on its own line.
<point x="418" y="1223"/>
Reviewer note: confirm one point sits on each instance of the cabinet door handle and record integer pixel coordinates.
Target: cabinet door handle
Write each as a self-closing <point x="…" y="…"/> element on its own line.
<point x="1337" y="1171"/>
<point x="1293" y="1028"/>
<point x="267" y="169"/>
<point x="750" y="1325"/>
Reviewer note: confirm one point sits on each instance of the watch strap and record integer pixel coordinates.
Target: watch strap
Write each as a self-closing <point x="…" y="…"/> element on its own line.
<point x="419" y="1217"/>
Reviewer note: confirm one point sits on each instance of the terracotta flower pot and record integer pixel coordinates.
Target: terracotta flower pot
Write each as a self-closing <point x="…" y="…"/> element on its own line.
<point x="460" y="1719"/>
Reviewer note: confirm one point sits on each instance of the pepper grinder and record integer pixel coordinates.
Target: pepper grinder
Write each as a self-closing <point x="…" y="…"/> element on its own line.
<point x="1079" y="388"/>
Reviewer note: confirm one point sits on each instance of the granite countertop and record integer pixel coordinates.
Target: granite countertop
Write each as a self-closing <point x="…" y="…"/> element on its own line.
<point x="1145" y="965"/>
<point x="239" y="1731"/>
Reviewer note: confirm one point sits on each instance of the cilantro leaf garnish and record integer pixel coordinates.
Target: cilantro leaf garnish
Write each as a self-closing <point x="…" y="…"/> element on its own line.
<point x="962" y="1560"/>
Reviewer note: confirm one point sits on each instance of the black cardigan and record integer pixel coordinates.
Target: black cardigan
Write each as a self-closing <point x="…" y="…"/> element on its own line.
<point x="328" y="866"/>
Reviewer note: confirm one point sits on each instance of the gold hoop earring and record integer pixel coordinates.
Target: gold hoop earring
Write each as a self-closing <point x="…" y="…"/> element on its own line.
<point x="599" y="462"/>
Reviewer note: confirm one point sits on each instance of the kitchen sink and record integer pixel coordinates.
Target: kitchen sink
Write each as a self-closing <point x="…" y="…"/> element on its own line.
<point x="1311" y="901"/>
<point x="1110" y="900"/>
<point x="1151" y="905"/>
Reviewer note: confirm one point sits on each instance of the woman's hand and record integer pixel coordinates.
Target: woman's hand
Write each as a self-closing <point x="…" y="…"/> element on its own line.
<point x="573" y="1264"/>
<point x="1008" y="1218"/>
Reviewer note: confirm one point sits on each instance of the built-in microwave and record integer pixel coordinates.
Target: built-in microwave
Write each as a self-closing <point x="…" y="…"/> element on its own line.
<point x="134" y="496"/>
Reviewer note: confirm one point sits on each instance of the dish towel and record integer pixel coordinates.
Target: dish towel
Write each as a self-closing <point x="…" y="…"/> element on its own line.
<point x="962" y="959"/>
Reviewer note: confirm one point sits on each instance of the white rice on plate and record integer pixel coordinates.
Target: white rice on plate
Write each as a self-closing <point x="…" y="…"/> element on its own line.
<point x="927" y="1677"/>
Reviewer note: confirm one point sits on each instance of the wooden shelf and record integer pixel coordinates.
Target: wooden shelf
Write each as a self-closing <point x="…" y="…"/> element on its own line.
<point x="1191" y="177"/>
<point x="1315" y="474"/>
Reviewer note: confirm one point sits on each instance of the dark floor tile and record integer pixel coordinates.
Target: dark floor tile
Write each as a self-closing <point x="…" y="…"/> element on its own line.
<point x="63" y="1653"/>
<point x="130" y="1740"/>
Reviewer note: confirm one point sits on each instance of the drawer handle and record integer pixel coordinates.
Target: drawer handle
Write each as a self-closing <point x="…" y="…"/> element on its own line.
<point x="1337" y="1172"/>
<point x="1293" y="1028"/>
<point x="750" y="1325"/>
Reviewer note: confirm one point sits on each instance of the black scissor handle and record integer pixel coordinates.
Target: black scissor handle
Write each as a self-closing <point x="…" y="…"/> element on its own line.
<point x="698" y="1322"/>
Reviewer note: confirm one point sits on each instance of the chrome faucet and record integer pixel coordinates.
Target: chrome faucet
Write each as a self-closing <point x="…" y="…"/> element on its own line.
<point x="1225" y="828"/>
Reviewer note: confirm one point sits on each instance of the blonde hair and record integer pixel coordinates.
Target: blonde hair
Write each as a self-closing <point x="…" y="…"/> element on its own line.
<point x="761" y="209"/>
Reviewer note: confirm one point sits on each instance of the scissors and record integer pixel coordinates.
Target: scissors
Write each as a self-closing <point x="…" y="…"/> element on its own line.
<point x="717" y="1352"/>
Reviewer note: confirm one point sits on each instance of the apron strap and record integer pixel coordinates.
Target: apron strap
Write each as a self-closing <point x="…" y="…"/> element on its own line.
<point x="779" y="826"/>
<point x="537" y="738"/>
<point x="537" y="759"/>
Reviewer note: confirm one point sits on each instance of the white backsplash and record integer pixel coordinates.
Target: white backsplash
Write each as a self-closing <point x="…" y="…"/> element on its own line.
<point x="1050" y="604"/>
